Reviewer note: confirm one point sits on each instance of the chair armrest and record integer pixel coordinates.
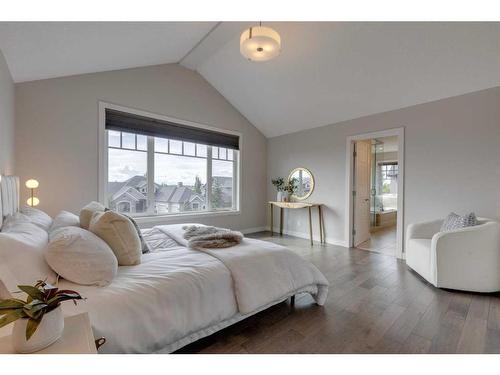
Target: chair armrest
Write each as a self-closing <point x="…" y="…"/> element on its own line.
<point x="468" y="256"/>
<point x="423" y="230"/>
<point x="482" y="236"/>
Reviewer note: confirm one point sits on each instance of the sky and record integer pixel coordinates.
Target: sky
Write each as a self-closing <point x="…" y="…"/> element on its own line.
<point x="169" y="169"/>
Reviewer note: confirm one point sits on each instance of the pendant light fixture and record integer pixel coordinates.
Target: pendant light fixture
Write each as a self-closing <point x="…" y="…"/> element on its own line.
<point x="260" y="43"/>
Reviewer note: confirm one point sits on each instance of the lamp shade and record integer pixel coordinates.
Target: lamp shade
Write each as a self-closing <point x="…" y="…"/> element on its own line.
<point x="32" y="184"/>
<point x="33" y="201"/>
<point x="260" y="43"/>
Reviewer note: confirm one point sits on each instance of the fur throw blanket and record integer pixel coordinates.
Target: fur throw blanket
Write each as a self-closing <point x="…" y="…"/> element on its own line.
<point x="211" y="237"/>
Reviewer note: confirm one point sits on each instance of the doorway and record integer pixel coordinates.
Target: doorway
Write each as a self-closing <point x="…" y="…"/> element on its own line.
<point x="375" y="192"/>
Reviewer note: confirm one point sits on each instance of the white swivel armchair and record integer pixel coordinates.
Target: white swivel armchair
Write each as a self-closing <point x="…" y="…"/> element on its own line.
<point x="462" y="259"/>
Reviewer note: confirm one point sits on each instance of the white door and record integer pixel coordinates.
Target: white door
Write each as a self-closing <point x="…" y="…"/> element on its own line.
<point x="362" y="172"/>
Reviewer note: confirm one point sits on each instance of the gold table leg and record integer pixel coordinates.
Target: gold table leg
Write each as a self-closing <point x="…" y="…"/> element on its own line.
<point x="310" y="225"/>
<point x="281" y="221"/>
<point x="271" y="207"/>
<point x="321" y="234"/>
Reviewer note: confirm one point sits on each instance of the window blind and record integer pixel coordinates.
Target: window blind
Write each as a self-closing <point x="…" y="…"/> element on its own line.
<point x="127" y="122"/>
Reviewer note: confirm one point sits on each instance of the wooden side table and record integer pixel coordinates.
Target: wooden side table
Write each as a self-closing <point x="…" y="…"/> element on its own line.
<point x="299" y="205"/>
<point x="77" y="338"/>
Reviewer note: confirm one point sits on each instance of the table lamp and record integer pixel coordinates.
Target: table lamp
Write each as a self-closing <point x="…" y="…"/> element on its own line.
<point x="32" y="185"/>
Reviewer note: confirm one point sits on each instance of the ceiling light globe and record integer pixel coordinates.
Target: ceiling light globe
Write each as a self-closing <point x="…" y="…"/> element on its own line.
<point x="32" y="184"/>
<point x="260" y="43"/>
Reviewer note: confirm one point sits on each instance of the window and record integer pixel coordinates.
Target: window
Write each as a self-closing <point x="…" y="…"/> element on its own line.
<point x="389" y="171"/>
<point x="151" y="174"/>
<point x="389" y="177"/>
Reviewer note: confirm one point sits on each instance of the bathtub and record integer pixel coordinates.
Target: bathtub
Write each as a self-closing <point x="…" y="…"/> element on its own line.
<point x="385" y="218"/>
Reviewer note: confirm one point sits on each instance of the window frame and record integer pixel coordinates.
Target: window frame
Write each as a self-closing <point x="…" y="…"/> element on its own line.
<point x="150" y="217"/>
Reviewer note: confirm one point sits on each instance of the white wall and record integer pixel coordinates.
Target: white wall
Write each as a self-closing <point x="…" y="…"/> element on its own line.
<point x="387" y="156"/>
<point x="57" y="132"/>
<point x="6" y="119"/>
<point x="452" y="160"/>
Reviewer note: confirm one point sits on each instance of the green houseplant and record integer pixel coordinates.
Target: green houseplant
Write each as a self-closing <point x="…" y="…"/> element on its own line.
<point x="285" y="189"/>
<point x="38" y="321"/>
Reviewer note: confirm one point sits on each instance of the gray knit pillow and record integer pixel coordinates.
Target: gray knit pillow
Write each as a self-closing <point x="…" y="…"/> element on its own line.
<point x="454" y="221"/>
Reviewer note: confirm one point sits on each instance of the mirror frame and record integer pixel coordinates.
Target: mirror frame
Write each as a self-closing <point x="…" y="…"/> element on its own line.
<point x="312" y="182"/>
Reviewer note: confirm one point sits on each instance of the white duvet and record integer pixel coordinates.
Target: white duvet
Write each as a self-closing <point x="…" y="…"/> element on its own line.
<point x="178" y="295"/>
<point x="261" y="271"/>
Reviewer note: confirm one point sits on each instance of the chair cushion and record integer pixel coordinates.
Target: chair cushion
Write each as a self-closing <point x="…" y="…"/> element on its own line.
<point x="418" y="257"/>
<point x="454" y="221"/>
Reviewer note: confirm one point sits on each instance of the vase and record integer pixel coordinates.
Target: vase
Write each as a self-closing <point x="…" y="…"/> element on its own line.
<point x="286" y="197"/>
<point x="279" y="196"/>
<point x="48" y="331"/>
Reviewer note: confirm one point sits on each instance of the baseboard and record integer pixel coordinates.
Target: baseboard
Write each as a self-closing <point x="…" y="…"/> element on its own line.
<point x="329" y="240"/>
<point x="254" y="230"/>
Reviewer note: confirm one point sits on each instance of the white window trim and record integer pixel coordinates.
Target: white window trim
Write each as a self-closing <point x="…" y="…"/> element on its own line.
<point x="150" y="219"/>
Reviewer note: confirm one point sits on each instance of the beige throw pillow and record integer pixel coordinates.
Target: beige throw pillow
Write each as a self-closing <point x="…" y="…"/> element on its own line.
<point x="120" y="234"/>
<point x="87" y="212"/>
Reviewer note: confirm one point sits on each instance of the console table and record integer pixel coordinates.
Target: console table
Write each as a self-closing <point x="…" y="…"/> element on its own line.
<point x="299" y="205"/>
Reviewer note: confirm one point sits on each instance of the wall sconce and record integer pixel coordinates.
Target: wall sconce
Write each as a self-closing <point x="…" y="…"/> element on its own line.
<point x="32" y="185"/>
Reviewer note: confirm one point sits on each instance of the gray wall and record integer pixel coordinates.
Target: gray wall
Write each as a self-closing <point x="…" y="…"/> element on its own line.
<point x="6" y="119"/>
<point x="57" y="132"/>
<point x="452" y="160"/>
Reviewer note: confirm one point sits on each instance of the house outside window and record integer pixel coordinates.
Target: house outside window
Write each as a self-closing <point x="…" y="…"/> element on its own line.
<point x="150" y="175"/>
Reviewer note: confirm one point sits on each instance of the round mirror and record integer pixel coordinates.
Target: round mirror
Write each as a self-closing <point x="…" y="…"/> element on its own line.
<point x="304" y="183"/>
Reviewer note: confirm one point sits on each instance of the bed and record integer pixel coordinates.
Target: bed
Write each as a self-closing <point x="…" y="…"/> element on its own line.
<point x="178" y="295"/>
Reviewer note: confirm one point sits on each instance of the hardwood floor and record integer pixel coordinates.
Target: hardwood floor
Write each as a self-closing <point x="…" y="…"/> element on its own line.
<point x="375" y="305"/>
<point x="381" y="241"/>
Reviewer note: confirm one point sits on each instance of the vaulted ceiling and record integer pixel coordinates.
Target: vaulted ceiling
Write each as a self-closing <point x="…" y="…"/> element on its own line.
<point x="327" y="71"/>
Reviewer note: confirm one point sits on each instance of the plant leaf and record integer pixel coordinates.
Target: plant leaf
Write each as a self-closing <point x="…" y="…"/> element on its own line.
<point x="9" y="318"/>
<point x="34" y="309"/>
<point x="9" y="311"/>
<point x="31" y="291"/>
<point x="11" y="303"/>
<point x="48" y="286"/>
<point x="63" y="297"/>
<point x="68" y="291"/>
<point x="50" y="293"/>
<point x="31" y="327"/>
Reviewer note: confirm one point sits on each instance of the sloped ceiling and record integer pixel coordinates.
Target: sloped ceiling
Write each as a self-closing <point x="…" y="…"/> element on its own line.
<point x="330" y="72"/>
<point x="39" y="50"/>
<point x="327" y="71"/>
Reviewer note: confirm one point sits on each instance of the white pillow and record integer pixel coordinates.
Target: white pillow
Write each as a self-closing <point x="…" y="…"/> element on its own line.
<point x="37" y="217"/>
<point x="87" y="212"/>
<point x="64" y="219"/>
<point x="120" y="234"/>
<point x="81" y="257"/>
<point x="21" y="254"/>
<point x="13" y="220"/>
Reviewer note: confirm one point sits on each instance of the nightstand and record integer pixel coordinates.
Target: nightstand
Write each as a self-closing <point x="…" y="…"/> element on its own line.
<point x="77" y="338"/>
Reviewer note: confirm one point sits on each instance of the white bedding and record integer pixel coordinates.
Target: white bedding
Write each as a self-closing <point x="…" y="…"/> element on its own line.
<point x="171" y="294"/>
<point x="261" y="271"/>
<point x="178" y="295"/>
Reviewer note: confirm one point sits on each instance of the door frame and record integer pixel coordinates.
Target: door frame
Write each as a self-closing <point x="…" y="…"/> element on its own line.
<point x="399" y="132"/>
